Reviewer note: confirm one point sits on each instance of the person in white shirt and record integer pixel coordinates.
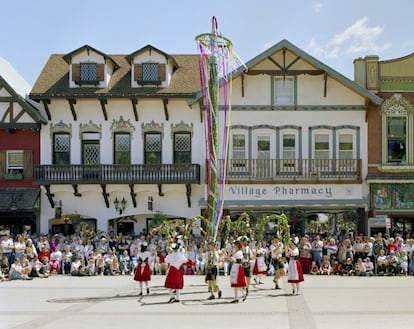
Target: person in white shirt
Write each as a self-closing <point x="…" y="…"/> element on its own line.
<point x="174" y="280"/>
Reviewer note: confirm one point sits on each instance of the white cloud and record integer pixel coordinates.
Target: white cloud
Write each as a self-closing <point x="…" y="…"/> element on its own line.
<point x="317" y="7"/>
<point x="356" y="39"/>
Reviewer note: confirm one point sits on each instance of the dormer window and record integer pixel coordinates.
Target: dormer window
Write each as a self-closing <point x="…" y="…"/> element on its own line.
<point x="88" y="73"/>
<point x="149" y="73"/>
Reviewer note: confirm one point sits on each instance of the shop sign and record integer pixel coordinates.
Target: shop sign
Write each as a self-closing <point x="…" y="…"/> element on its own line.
<point x="292" y="192"/>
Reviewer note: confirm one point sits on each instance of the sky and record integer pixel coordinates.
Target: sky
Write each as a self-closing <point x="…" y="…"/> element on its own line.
<point x="334" y="31"/>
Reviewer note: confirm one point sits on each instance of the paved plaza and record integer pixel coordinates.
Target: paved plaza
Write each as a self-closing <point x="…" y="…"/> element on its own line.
<point x="62" y="302"/>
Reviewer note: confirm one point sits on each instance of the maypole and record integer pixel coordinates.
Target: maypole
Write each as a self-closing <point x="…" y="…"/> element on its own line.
<point x="217" y="62"/>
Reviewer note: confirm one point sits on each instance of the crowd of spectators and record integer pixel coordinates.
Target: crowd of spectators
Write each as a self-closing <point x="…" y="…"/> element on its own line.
<point x="26" y="256"/>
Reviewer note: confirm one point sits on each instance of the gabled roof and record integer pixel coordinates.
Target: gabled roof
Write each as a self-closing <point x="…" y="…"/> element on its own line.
<point x="151" y="48"/>
<point x="32" y="108"/>
<point x="68" y="57"/>
<point x="286" y="45"/>
<point x="53" y="81"/>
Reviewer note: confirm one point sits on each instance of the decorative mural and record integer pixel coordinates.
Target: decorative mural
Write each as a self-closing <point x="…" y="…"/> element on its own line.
<point x="393" y="196"/>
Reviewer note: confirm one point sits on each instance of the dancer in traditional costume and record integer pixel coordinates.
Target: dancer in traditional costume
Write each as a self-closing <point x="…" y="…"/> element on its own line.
<point x="276" y="253"/>
<point x="295" y="273"/>
<point x="143" y="269"/>
<point x="212" y="261"/>
<point x="174" y="280"/>
<point x="237" y="277"/>
<point x="259" y="267"/>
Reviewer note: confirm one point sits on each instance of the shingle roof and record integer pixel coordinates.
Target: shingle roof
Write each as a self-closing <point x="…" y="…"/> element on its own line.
<point x="53" y="81"/>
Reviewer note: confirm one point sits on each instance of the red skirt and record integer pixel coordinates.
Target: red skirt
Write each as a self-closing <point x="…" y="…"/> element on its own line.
<point x="295" y="273"/>
<point x="259" y="267"/>
<point x="237" y="277"/>
<point x="174" y="279"/>
<point x="142" y="272"/>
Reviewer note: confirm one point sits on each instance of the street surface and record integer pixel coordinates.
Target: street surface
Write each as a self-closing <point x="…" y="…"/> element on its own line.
<point x="63" y="302"/>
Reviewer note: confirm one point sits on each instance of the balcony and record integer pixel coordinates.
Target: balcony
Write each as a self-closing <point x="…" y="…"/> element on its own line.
<point x="117" y="174"/>
<point x="288" y="170"/>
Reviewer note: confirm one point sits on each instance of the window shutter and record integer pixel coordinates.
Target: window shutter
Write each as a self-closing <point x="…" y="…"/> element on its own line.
<point x="161" y="72"/>
<point x="2" y="163"/>
<point x="75" y="72"/>
<point x="138" y="72"/>
<point x="100" y="70"/>
<point x="28" y="164"/>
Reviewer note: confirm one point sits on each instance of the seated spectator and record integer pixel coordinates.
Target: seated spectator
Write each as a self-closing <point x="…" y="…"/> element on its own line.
<point x="100" y="265"/>
<point x="359" y="268"/>
<point x="16" y="271"/>
<point x="382" y="263"/>
<point x="26" y="267"/>
<point x="348" y="267"/>
<point x="403" y="262"/>
<point x="75" y="267"/>
<point x="115" y="266"/>
<point x="125" y="262"/>
<point x="39" y="270"/>
<point x="91" y="263"/>
<point x="314" y="269"/>
<point x="5" y="267"/>
<point x="392" y="263"/>
<point x="200" y="261"/>
<point x="55" y="261"/>
<point x="337" y="268"/>
<point x="326" y="267"/>
<point x="109" y="262"/>
<point x="44" y="255"/>
<point x="369" y="267"/>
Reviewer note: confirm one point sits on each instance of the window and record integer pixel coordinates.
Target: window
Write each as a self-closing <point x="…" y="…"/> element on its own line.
<point x="239" y="146"/>
<point x="88" y="72"/>
<point x="122" y="148"/>
<point x="15" y="162"/>
<point x="321" y="146"/>
<point x="150" y="72"/>
<point x="182" y="148"/>
<point x="396" y="135"/>
<point x="397" y="131"/>
<point x="284" y="91"/>
<point x="61" y="149"/>
<point x="263" y="147"/>
<point x="288" y="146"/>
<point x="90" y="148"/>
<point x="152" y="148"/>
<point x="346" y="147"/>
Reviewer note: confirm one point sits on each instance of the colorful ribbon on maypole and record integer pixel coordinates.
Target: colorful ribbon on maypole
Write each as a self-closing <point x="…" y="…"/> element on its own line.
<point x="217" y="62"/>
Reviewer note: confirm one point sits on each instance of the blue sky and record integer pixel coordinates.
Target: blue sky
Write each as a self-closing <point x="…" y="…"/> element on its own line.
<point x="334" y="31"/>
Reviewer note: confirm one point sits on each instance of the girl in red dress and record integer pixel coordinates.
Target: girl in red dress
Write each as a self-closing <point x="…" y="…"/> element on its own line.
<point x="237" y="278"/>
<point x="175" y="278"/>
<point x="295" y="273"/>
<point x="143" y="270"/>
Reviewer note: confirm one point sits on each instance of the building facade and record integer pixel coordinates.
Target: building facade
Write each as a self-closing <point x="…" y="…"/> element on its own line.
<point x="122" y="145"/>
<point x="298" y="143"/>
<point x="390" y="140"/>
<point x="20" y="125"/>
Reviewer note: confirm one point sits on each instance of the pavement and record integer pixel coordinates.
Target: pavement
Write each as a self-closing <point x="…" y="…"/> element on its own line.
<point x="63" y="302"/>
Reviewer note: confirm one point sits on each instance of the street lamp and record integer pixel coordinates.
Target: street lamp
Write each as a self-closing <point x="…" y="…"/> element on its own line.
<point x="120" y="205"/>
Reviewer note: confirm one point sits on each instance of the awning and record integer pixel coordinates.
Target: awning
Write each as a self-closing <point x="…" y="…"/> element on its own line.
<point x="19" y="199"/>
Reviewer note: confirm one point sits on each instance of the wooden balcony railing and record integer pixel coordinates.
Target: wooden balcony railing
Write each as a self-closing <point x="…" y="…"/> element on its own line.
<point x="292" y="169"/>
<point x="117" y="174"/>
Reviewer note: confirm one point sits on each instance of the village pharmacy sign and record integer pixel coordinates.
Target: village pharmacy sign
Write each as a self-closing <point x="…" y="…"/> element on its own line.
<point x="293" y="192"/>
